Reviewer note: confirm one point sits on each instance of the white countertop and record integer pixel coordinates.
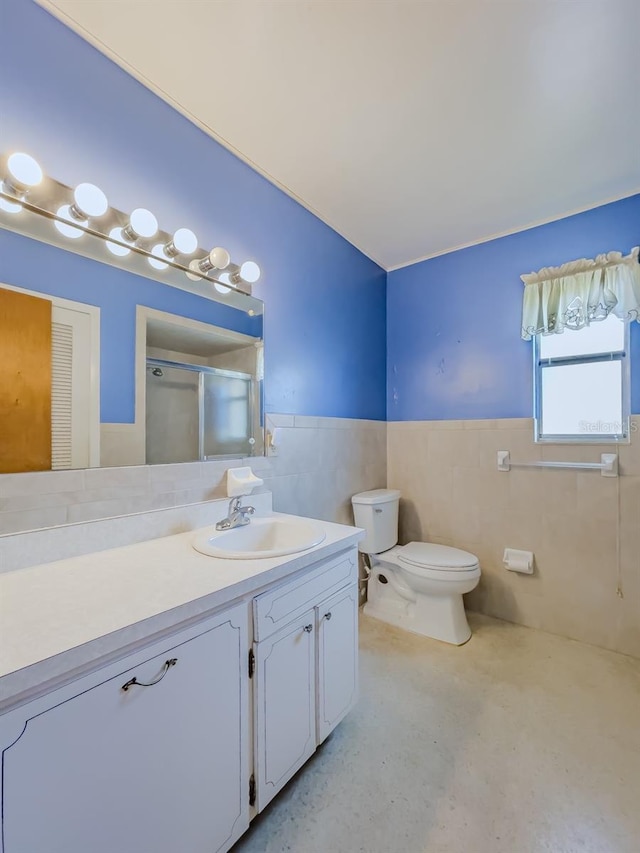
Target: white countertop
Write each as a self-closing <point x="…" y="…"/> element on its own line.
<point x="57" y="619"/>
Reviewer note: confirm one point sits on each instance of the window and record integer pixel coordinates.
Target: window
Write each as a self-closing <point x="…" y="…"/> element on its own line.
<point x="581" y="382"/>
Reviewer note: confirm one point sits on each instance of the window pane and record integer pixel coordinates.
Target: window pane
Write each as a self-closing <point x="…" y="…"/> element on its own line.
<point x="603" y="336"/>
<point x="582" y="399"/>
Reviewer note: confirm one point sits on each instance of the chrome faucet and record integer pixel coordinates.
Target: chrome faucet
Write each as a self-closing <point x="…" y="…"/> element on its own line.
<point x="238" y="515"/>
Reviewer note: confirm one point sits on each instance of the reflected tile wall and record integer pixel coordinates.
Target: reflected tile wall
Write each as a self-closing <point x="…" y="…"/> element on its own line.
<point x="584" y="529"/>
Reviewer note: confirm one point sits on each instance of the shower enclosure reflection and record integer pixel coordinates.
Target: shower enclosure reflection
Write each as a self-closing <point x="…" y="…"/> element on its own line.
<point x="197" y="412"/>
<point x="201" y="391"/>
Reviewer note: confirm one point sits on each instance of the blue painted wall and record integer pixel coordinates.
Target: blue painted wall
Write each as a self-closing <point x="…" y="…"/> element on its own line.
<point x="84" y="118"/>
<point x="453" y="322"/>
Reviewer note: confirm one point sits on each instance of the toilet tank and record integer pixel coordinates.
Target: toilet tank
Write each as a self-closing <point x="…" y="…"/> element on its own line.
<point x="377" y="512"/>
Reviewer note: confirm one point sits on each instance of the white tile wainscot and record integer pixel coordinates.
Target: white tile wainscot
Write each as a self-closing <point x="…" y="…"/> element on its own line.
<point x="98" y="654"/>
<point x="584" y="529"/>
<point x="321" y="462"/>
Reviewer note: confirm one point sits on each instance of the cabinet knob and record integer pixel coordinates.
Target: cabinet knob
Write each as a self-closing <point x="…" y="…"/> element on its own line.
<point x="327" y="616"/>
<point x="133" y="682"/>
<point x="308" y="628"/>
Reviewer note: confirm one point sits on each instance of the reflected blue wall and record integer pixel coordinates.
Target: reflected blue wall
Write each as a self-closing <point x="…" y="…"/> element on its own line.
<point x="116" y="293"/>
<point x="453" y="322"/>
<point x="84" y="118"/>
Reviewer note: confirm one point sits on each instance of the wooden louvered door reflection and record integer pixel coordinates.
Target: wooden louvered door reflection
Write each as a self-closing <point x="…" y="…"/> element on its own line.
<point x="71" y="388"/>
<point x="25" y="382"/>
<point x="61" y="395"/>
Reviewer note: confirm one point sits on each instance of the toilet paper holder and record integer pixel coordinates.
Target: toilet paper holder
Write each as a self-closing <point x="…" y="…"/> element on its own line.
<point x="518" y="561"/>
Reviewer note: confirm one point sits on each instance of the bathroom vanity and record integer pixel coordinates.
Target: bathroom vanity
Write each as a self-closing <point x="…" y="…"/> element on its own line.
<point x="154" y="699"/>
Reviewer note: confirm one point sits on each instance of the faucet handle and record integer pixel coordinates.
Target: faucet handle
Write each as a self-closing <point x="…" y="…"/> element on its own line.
<point x="246" y="510"/>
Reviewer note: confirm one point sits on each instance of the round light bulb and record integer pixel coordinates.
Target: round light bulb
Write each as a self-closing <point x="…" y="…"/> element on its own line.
<point x="90" y="200"/>
<point x="143" y="223"/>
<point x="114" y="248"/>
<point x="195" y="266"/>
<point x="216" y="259"/>
<point x="185" y="241"/>
<point x="10" y="206"/>
<point x="250" y="272"/>
<point x="222" y="278"/>
<point x="158" y="252"/>
<point x="63" y="228"/>
<point x="24" y="170"/>
<point x="220" y="258"/>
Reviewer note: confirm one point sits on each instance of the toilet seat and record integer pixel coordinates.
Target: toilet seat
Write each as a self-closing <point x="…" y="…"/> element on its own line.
<point x="446" y="576"/>
<point x="417" y="556"/>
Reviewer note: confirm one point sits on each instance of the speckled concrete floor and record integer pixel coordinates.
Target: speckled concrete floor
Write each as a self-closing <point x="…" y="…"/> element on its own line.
<point x="518" y="742"/>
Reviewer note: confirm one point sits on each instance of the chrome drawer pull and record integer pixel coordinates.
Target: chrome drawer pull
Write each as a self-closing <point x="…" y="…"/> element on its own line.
<point x="134" y="681"/>
<point x="308" y="628"/>
<point x="327" y="616"/>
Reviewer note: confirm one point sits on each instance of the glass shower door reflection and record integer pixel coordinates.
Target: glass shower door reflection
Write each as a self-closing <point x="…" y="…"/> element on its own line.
<point x="173" y="415"/>
<point x="227" y="414"/>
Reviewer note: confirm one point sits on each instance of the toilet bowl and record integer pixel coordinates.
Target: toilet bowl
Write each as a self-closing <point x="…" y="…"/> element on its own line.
<point x="419" y="586"/>
<point x="425" y="599"/>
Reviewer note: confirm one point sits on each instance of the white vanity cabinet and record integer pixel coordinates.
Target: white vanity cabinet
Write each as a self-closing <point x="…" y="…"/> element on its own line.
<point x="167" y="748"/>
<point x="306" y="662"/>
<point x="96" y="768"/>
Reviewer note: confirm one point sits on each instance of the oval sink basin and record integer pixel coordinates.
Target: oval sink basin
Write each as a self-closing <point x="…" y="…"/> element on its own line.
<point x="262" y="537"/>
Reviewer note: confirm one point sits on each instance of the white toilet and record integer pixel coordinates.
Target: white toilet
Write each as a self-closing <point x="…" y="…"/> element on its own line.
<point x="418" y="586"/>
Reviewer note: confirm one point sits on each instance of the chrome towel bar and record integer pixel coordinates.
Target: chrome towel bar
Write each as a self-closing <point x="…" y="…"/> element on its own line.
<point x="608" y="465"/>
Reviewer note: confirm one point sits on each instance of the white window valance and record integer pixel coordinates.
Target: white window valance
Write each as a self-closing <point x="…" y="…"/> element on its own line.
<point x="581" y="292"/>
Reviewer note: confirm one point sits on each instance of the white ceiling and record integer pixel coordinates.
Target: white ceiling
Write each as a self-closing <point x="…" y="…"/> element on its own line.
<point x="410" y="127"/>
<point x="194" y="338"/>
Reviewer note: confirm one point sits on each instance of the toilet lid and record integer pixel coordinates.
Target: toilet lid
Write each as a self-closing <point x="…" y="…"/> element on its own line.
<point x="429" y="555"/>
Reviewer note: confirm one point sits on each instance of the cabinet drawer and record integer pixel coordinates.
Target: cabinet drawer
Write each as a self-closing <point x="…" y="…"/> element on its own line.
<point x="278" y="606"/>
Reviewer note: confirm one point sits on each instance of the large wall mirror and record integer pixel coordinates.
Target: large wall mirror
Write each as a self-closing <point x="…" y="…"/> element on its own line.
<point x="103" y="364"/>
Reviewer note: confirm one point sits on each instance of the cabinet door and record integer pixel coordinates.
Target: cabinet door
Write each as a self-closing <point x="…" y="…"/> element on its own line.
<point x="155" y="769"/>
<point x="337" y="620"/>
<point x="285" y="703"/>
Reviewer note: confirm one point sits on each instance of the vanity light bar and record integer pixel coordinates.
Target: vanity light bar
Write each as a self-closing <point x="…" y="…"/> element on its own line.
<point x="25" y="187"/>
